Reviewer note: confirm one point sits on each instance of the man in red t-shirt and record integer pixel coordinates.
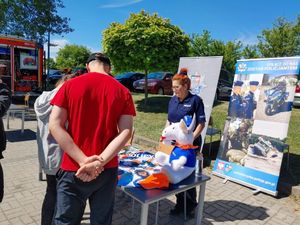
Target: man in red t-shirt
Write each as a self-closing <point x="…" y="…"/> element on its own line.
<point x="99" y="112"/>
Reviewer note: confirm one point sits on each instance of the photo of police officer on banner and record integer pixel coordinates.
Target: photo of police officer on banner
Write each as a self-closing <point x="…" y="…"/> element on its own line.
<point x="243" y="105"/>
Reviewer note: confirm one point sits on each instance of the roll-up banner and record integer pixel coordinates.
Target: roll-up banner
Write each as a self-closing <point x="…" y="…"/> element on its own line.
<point x="259" y="111"/>
<point x="204" y="74"/>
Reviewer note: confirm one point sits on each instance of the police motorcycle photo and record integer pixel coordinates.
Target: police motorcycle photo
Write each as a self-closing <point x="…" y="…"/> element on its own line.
<point x="261" y="149"/>
<point x="276" y="99"/>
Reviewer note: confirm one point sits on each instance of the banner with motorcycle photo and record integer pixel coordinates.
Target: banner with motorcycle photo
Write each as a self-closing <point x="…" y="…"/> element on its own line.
<point x="251" y="149"/>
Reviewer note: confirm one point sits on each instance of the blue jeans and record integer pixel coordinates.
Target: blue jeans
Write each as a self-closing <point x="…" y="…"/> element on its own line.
<point x="72" y="194"/>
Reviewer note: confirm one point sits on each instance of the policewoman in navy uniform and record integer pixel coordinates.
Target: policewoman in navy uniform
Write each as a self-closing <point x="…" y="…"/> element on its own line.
<point x="235" y="108"/>
<point x="250" y="103"/>
<point x="184" y="103"/>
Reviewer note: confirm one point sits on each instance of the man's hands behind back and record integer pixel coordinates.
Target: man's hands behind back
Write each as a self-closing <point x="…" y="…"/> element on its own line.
<point x="90" y="169"/>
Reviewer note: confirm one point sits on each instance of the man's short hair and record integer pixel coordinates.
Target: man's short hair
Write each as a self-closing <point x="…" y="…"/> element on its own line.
<point x="99" y="57"/>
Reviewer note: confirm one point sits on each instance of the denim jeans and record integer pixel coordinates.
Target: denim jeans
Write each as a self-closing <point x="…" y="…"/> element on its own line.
<point x="49" y="201"/>
<point x="72" y="194"/>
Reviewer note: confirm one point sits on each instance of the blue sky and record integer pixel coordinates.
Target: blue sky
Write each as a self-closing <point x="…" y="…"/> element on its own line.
<point x="227" y="20"/>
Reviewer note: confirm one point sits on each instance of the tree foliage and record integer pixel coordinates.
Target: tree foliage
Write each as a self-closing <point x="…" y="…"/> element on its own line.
<point x="250" y="52"/>
<point x="145" y="43"/>
<point x="32" y="19"/>
<point x="51" y="63"/>
<point x="282" y="40"/>
<point x="205" y="45"/>
<point x="72" y="56"/>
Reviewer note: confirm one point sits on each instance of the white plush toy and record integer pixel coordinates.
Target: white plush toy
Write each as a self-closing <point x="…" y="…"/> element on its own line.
<point x="181" y="162"/>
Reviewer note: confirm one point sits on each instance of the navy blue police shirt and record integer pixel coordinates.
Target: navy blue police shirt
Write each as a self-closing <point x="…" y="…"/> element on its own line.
<point x="190" y="105"/>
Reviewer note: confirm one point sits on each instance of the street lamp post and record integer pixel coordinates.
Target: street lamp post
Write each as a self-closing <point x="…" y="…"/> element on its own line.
<point x="48" y="55"/>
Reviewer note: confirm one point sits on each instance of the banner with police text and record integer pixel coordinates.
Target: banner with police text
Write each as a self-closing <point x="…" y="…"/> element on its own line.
<point x="251" y="149"/>
<point x="204" y="74"/>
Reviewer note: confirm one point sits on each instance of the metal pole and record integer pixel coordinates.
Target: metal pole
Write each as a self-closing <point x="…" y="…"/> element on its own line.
<point x="48" y="54"/>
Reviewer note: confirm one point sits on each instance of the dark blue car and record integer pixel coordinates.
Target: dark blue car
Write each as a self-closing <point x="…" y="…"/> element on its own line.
<point x="52" y="78"/>
<point x="128" y="78"/>
<point x="54" y="75"/>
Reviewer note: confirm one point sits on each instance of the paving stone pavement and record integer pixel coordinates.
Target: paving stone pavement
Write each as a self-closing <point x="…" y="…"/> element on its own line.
<point x="228" y="203"/>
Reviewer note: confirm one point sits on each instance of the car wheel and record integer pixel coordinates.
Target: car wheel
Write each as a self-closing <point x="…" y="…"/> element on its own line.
<point x="217" y="97"/>
<point x="160" y="91"/>
<point x="269" y="110"/>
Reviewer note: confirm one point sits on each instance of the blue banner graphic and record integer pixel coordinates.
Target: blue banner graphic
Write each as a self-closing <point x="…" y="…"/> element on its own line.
<point x="251" y="150"/>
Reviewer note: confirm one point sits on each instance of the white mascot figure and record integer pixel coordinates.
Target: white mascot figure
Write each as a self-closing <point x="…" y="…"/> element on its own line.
<point x="181" y="162"/>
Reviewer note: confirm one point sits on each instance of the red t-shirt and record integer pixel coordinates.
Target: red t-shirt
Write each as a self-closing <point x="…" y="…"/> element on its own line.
<point x="94" y="103"/>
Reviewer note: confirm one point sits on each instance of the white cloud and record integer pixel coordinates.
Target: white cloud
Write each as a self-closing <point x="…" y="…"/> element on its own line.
<point x="92" y="49"/>
<point x="59" y="43"/>
<point x="248" y="38"/>
<point x="120" y="3"/>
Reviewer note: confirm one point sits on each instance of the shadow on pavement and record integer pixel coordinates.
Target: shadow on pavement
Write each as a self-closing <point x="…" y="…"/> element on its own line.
<point x="217" y="211"/>
<point x="228" y="210"/>
<point x="17" y="136"/>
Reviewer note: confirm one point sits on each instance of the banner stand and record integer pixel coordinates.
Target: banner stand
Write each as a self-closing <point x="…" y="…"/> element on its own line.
<point x="251" y="150"/>
<point x="255" y="190"/>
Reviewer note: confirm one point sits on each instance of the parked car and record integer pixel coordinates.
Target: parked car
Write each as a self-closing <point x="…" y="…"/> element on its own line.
<point x="297" y="95"/>
<point x="52" y="77"/>
<point x="128" y="78"/>
<point x="158" y="83"/>
<point x="224" y="86"/>
<point x="224" y="89"/>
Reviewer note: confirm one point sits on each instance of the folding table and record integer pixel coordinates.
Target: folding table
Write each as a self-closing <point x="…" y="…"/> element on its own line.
<point x="16" y="109"/>
<point x="146" y="197"/>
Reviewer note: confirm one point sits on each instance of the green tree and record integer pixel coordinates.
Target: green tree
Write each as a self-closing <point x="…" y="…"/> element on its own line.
<point x="250" y="52"/>
<point x="205" y="45"/>
<point x="232" y="53"/>
<point x="72" y="56"/>
<point x="32" y="19"/>
<point x="282" y="40"/>
<point x="52" y="63"/>
<point x="201" y="45"/>
<point x="145" y="43"/>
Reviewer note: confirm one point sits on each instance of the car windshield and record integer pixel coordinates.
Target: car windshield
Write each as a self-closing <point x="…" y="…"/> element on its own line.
<point x="123" y="75"/>
<point x="54" y="72"/>
<point x="155" y="75"/>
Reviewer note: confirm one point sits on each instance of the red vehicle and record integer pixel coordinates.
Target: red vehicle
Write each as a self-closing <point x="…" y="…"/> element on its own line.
<point x="297" y="95"/>
<point x="21" y="65"/>
<point x="29" y="61"/>
<point x="158" y="83"/>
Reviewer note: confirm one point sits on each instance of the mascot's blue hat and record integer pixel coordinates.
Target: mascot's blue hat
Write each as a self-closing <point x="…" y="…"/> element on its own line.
<point x="238" y="83"/>
<point x="254" y="83"/>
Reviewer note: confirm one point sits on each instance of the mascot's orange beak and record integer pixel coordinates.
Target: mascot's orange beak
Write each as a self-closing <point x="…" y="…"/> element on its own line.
<point x="162" y="138"/>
